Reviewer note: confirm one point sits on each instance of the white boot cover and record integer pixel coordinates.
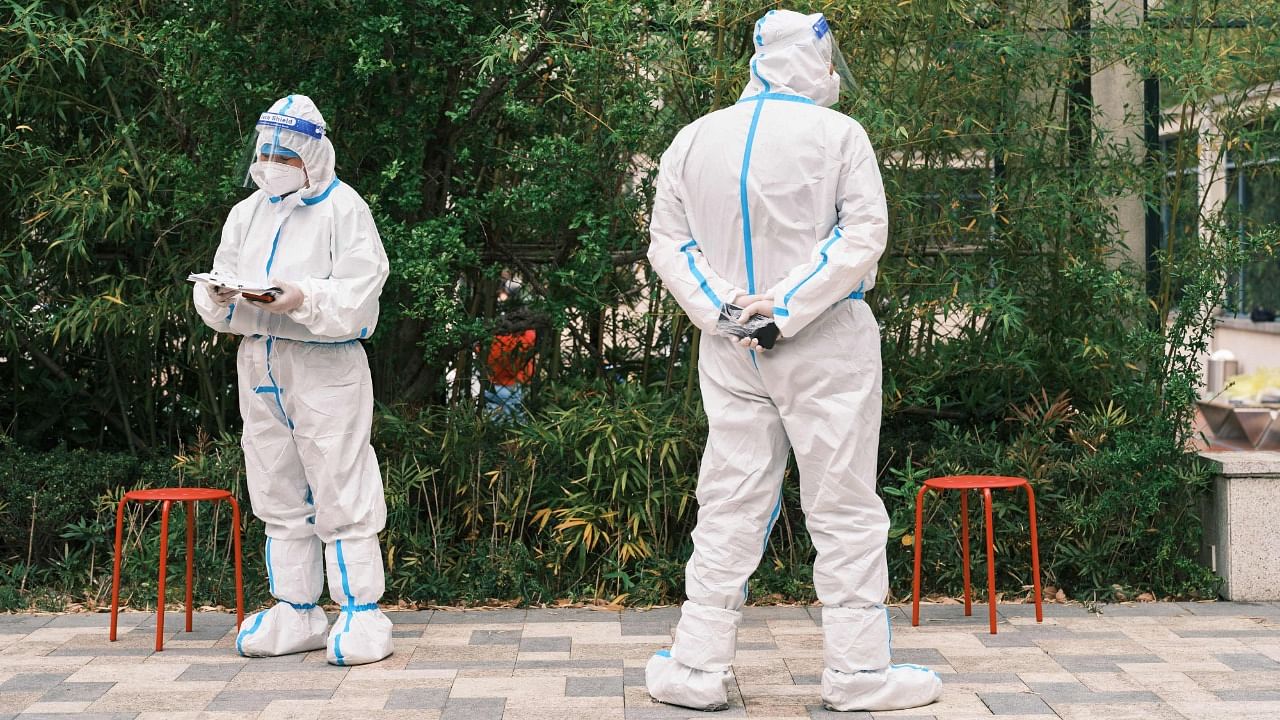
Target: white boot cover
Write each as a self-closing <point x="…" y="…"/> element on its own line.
<point x="856" y="639"/>
<point x="706" y="637"/>
<point x="693" y="673"/>
<point x="897" y="688"/>
<point x="294" y="624"/>
<point x="672" y="682"/>
<point x="362" y="634"/>
<point x="858" y="675"/>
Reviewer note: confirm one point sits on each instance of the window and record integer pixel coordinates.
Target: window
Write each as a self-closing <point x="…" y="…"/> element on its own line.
<point x="1179" y="197"/>
<point x="1253" y="202"/>
<point x="1180" y="190"/>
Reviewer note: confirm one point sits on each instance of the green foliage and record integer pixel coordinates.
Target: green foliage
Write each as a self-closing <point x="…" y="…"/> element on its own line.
<point x="57" y="523"/>
<point x="42" y="493"/>
<point x="1021" y="333"/>
<point x="583" y="499"/>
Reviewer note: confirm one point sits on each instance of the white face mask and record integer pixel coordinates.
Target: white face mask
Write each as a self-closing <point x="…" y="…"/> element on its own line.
<point x="277" y="178"/>
<point x="828" y="90"/>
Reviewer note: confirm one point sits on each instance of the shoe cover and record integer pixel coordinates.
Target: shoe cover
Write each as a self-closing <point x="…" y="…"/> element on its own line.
<point x="295" y="571"/>
<point x="706" y="637"/>
<point x="671" y="682"/>
<point x="897" y="688"/>
<point x="856" y="639"/>
<point x="282" y="630"/>
<point x="362" y="634"/>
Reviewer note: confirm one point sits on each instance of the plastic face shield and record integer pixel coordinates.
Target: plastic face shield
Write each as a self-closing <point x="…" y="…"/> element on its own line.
<point x="847" y="83"/>
<point x="279" y="138"/>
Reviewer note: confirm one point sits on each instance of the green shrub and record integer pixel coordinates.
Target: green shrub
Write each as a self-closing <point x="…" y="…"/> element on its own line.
<point x="42" y="493"/>
<point x="58" y="527"/>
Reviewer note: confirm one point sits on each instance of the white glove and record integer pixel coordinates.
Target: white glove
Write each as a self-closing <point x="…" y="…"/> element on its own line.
<point x="762" y="305"/>
<point x="746" y="299"/>
<point x="755" y="305"/>
<point x="220" y="295"/>
<point x="290" y="298"/>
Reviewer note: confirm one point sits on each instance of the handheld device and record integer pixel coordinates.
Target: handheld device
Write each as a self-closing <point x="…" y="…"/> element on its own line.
<point x="264" y="297"/>
<point x="759" y="327"/>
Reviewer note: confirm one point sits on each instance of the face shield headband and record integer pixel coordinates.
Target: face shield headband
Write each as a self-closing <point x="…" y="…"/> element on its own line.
<point x="293" y="124"/>
<point x="275" y="134"/>
<point x="821" y="29"/>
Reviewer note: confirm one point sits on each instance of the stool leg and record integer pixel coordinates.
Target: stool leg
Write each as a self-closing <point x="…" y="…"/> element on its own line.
<point x="991" y="561"/>
<point x="918" y="541"/>
<point x="1035" y="552"/>
<point x="164" y="558"/>
<point x="964" y="548"/>
<point x="235" y="541"/>
<point x="115" y="569"/>
<point x="191" y="540"/>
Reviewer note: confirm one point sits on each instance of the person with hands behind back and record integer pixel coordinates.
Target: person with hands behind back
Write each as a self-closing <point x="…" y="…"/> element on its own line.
<point x="305" y="392"/>
<point x="775" y="206"/>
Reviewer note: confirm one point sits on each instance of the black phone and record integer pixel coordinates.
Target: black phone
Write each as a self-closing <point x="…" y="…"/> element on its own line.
<point x="767" y="335"/>
<point x="760" y="327"/>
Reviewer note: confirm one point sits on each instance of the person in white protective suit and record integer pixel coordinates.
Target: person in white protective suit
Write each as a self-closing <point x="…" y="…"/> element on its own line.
<point x="305" y="393"/>
<point x="776" y="204"/>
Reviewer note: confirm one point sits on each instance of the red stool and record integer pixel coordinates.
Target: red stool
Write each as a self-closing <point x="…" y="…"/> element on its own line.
<point x="985" y="483"/>
<point x="188" y="497"/>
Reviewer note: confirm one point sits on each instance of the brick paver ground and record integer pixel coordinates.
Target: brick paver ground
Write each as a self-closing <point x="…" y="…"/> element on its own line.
<point x="1147" y="661"/>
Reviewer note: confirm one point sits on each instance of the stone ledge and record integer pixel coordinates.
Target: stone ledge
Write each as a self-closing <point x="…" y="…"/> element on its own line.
<point x="1245" y="463"/>
<point x="1241" y="533"/>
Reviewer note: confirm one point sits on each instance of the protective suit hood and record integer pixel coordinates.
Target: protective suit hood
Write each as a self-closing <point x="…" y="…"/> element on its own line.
<point x="793" y="57"/>
<point x="317" y="154"/>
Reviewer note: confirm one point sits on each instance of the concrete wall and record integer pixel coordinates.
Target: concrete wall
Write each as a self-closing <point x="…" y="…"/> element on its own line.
<point x="1117" y="94"/>
<point x="1255" y="345"/>
<point x="1242" y="533"/>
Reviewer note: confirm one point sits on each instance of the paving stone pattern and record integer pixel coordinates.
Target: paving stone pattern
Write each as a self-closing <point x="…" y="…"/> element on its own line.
<point x="1118" y="662"/>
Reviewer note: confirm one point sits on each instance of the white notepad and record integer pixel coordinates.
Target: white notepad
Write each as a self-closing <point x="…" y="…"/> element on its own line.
<point x="224" y="280"/>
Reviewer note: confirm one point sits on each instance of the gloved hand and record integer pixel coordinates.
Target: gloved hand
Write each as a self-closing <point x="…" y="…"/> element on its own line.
<point x="290" y="298"/>
<point x="759" y="305"/>
<point x="220" y="295"/>
<point x="753" y="325"/>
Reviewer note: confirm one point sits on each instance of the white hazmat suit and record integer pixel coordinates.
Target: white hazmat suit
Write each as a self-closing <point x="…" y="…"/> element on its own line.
<point x="780" y="195"/>
<point x="306" y="397"/>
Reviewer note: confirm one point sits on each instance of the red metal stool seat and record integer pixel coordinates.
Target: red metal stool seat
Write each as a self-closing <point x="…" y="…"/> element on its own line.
<point x="985" y="483"/>
<point x="188" y="496"/>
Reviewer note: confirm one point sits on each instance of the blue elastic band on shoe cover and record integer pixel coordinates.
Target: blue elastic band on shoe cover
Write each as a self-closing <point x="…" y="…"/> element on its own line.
<point x="257" y="622"/>
<point x="915" y="667"/>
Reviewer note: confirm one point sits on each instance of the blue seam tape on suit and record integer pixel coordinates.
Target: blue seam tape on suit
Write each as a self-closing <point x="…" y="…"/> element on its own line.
<point x="742" y="195"/>
<point x="823" y="252"/>
<point x="275" y="242"/>
<point x="697" y="275"/>
<point x="773" y="519"/>
<point x="785" y="97"/>
<point x="278" y="390"/>
<point x="271" y="576"/>
<point x="346" y="591"/>
<point x="320" y="198"/>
